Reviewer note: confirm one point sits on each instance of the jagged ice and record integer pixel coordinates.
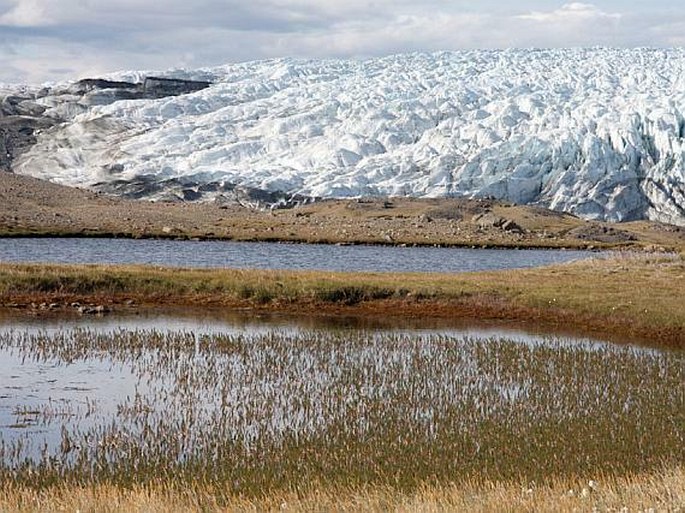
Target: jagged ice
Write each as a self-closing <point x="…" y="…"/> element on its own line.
<point x="596" y="132"/>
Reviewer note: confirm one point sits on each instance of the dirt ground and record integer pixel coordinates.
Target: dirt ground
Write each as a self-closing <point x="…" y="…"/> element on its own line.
<point x="33" y="207"/>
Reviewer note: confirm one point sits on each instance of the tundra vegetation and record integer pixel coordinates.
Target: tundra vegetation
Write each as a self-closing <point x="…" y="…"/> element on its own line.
<point x="250" y="421"/>
<point x="354" y="420"/>
<point x="625" y="295"/>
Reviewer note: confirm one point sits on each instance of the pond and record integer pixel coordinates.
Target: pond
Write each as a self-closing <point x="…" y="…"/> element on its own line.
<point x="255" y="255"/>
<point x="208" y="321"/>
<point x="253" y="402"/>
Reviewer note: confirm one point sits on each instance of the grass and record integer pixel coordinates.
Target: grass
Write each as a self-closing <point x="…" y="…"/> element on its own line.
<point x="629" y="295"/>
<point x="661" y="490"/>
<point x="235" y="417"/>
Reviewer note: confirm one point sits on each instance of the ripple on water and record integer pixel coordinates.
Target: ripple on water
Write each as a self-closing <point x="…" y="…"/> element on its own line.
<point x="255" y="255"/>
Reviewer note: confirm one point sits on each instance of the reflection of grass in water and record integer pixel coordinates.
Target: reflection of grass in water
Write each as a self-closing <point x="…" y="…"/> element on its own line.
<point x="640" y="295"/>
<point x="278" y="411"/>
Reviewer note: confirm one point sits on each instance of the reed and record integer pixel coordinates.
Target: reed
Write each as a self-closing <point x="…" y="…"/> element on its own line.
<point x="262" y="415"/>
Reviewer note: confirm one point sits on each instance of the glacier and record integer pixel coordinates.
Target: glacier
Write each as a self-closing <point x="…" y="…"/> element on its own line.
<point x="599" y="133"/>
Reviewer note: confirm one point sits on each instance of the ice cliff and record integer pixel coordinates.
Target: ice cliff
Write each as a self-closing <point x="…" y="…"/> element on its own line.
<point x="596" y="132"/>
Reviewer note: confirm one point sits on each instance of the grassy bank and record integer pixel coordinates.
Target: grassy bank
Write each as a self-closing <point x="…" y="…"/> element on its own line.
<point x="637" y="295"/>
<point x="656" y="491"/>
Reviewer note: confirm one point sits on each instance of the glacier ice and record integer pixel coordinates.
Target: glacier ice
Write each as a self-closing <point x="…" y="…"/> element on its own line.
<point x="596" y="132"/>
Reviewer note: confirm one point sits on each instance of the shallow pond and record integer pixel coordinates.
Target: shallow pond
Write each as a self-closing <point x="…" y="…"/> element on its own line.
<point x="219" y="254"/>
<point x="43" y="389"/>
<point x="140" y="396"/>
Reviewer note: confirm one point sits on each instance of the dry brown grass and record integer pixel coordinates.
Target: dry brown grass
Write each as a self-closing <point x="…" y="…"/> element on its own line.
<point x="634" y="295"/>
<point x="657" y="491"/>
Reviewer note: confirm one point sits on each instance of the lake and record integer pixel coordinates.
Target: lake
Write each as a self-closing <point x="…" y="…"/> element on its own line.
<point x="255" y="255"/>
<point x="161" y="394"/>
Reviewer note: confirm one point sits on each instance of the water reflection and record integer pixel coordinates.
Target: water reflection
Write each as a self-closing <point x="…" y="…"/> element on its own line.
<point x="255" y="255"/>
<point x="204" y="321"/>
<point x="105" y="393"/>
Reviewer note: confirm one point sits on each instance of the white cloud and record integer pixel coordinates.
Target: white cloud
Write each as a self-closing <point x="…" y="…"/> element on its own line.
<point x="26" y="13"/>
<point x="672" y="33"/>
<point x="573" y="24"/>
<point x="368" y="38"/>
<point x="53" y="38"/>
<point x="43" y="60"/>
<point x="575" y="12"/>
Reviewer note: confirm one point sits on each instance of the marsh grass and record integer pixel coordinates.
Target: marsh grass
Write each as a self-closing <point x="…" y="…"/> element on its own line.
<point x="258" y="415"/>
<point x="639" y="295"/>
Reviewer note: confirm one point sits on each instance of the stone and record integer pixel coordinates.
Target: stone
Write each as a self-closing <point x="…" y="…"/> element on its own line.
<point x="511" y="226"/>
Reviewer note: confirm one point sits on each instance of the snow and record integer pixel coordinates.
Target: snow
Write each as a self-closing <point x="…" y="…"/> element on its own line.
<point x="595" y="132"/>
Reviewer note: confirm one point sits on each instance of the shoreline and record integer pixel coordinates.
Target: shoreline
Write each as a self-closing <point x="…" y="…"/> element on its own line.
<point x="598" y="248"/>
<point x="671" y="246"/>
<point x="380" y="315"/>
<point x="594" y="297"/>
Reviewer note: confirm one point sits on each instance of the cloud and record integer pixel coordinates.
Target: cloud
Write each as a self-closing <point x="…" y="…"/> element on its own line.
<point x="573" y="24"/>
<point x="41" y="60"/>
<point x="575" y="12"/>
<point x="400" y="34"/>
<point x="269" y="15"/>
<point x="28" y="13"/>
<point x="49" y="38"/>
<point x="672" y="33"/>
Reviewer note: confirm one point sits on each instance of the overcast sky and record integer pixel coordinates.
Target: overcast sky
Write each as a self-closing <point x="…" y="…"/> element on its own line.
<point x="48" y="40"/>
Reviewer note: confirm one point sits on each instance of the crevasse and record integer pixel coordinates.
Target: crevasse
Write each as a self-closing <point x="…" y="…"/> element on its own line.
<point x="596" y="132"/>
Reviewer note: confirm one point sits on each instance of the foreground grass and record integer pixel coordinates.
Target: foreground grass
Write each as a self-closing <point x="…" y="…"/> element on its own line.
<point x="358" y="419"/>
<point x="627" y="295"/>
<point x="662" y="490"/>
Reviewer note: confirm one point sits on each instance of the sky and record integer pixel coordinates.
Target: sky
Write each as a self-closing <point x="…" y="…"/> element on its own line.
<point x="56" y="40"/>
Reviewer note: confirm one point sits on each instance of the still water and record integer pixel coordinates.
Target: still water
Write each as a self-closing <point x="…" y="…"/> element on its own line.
<point x="255" y="255"/>
<point x="64" y="378"/>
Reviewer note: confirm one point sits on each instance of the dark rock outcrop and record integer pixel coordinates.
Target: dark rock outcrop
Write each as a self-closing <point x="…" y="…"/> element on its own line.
<point x="93" y="84"/>
<point x="185" y="189"/>
<point x="157" y="87"/>
<point x="151" y="87"/>
<point x="20" y="121"/>
<point x="22" y="117"/>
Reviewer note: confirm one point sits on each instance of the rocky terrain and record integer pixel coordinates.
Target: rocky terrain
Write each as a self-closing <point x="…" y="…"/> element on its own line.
<point x="29" y="206"/>
<point x="598" y="133"/>
<point x="26" y="112"/>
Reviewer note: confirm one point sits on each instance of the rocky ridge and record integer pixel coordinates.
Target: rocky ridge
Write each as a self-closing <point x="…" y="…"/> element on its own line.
<point x="30" y="207"/>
